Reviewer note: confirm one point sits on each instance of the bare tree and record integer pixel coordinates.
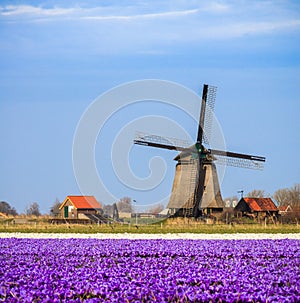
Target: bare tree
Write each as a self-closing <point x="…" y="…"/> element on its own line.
<point x="5" y="208"/>
<point x="288" y="196"/>
<point x="108" y="209"/>
<point x="54" y="211"/>
<point x="125" y="205"/>
<point x="282" y="196"/>
<point x="33" y="209"/>
<point x="256" y="193"/>
<point x="295" y="195"/>
<point x="156" y="209"/>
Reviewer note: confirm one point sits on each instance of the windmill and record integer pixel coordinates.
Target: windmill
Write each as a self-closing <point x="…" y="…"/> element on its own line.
<point x="196" y="189"/>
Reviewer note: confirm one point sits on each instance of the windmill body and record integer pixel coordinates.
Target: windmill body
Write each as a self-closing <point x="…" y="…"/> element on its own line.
<point x="196" y="190"/>
<point x="182" y="200"/>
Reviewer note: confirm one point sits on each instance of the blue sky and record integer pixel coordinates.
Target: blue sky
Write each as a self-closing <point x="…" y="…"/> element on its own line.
<point x="59" y="56"/>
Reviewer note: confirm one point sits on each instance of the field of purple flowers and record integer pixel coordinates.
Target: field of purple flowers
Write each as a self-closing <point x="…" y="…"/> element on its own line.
<point x="90" y="270"/>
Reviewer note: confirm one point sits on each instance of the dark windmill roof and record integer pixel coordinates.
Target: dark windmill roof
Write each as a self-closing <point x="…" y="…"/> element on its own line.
<point x="260" y="204"/>
<point x="186" y="153"/>
<point x="191" y="152"/>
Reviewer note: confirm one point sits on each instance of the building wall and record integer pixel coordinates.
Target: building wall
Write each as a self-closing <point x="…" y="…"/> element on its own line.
<point x="124" y="215"/>
<point x="242" y="206"/>
<point x="258" y="215"/>
<point x="69" y="211"/>
<point x="87" y="211"/>
<point x="263" y="214"/>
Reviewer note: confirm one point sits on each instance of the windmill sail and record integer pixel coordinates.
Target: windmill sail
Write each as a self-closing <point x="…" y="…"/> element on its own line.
<point x="202" y="115"/>
<point x="159" y="141"/>
<point x="209" y="113"/>
<point x="238" y="160"/>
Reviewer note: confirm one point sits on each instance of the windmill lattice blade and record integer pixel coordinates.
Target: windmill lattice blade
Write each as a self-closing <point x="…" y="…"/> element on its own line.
<point x="239" y="162"/>
<point x="202" y="115"/>
<point x="160" y="142"/>
<point x="236" y="155"/>
<point x="209" y="113"/>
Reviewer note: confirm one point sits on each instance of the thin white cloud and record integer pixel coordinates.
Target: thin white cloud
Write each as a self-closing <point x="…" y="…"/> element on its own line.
<point x="96" y="13"/>
<point x="144" y="16"/>
<point x="158" y="9"/>
<point x="18" y="10"/>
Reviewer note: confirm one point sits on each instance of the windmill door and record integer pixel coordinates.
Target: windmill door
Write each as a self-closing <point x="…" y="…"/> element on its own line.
<point x="66" y="211"/>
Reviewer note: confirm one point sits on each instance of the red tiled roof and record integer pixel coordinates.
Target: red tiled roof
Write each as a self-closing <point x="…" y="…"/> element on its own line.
<point x="261" y="204"/>
<point x="284" y="207"/>
<point x="83" y="202"/>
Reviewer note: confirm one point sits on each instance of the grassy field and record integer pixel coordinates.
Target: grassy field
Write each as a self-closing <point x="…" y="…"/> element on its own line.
<point x="163" y="227"/>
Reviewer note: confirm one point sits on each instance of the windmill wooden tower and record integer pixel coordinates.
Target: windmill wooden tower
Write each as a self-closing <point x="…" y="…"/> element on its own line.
<point x="196" y="189"/>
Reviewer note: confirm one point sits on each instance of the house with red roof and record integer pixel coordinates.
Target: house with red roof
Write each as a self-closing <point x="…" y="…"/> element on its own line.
<point x="77" y="207"/>
<point x="284" y="209"/>
<point x="258" y="208"/>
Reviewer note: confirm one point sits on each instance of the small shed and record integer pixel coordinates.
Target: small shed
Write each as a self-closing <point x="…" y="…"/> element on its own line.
<point x="258" y="208"/>
<point x="76" y="207"/>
